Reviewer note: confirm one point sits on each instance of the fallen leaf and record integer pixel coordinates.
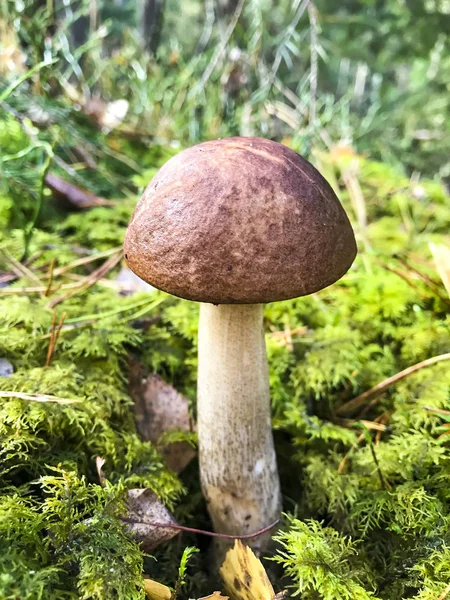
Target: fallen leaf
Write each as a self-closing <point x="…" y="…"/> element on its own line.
<point x="156" y="591"/>
<point x="441" y="255"/>
<point x="244" y="576"/>
<point x="159" y="408"/>
<point x="146" y="518"/>
<point x="74" y="195"/>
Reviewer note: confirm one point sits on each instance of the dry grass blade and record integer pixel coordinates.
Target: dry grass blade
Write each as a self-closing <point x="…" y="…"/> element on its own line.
<point x="19" y="269"/>
<point x="54" y="335"/>
<point x="377" y="425"/>
<point x="50" y="278"/>
<point x="11" y="276"/>
<point x="352" y="405"/>
<point x="38" y="397"/>
<point x="86" y="260"/>
<point x="90" y="280"/>
<point x="438" y="411"/>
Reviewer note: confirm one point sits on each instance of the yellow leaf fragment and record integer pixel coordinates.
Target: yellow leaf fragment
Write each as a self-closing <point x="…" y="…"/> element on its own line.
<point x="214" y="596"/>
<point x="244" y="576"/>
<point x="156" y="591"/>
<point x="441" y="255"/>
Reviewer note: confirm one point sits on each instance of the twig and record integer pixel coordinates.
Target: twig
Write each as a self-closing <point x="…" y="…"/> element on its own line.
<point x="383" y="420"/>
<point x="86" y="260"/>
<point x="383" y="385"/>
<point x="20" y="269"/>
<point x="384" y="482"/>
<point x="247" y="536"/>
<point x="346" y="457"/>
<point x="438" y="411"/>
<point x="11" y="276"/>
<point x="91" y="280"/>
<point x="361" y="437"/>
<point x="35" y="289"/>
<point x="50" y="278"/>
<point x="38" y="397"/>
<point x="54" y="336"/>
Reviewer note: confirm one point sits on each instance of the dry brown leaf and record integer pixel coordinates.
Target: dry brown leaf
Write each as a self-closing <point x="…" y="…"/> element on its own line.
<point x="156" y="591"/>
<point x="74" y="195"/>
<point x="441" y="255"/>
<point x="160" y="408"/>
<point x="244" y="576"/>
<point x="144" y="510"/>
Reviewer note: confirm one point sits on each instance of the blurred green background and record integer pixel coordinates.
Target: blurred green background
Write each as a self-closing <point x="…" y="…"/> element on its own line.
<point x="373" y="74"/>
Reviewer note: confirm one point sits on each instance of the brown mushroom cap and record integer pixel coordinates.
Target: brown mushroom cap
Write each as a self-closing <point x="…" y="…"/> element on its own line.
<point x="239" y="220"/>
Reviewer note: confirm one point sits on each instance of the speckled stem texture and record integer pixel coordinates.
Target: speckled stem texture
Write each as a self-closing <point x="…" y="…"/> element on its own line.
<point x="238" y="466"/>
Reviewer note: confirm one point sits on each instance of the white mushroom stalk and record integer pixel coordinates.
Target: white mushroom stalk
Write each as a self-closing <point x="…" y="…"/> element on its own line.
<point x="238" y="468"/>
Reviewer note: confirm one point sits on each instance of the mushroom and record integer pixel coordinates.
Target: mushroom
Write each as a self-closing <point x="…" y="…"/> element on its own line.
<point x="233" y="224"/>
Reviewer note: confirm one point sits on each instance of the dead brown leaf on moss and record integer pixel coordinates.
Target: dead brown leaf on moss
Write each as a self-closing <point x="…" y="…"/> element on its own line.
<point x="159" y="408"/>
<point x="146" y="518"/>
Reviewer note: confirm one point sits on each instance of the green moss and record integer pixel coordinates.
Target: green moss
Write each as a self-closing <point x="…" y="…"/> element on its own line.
<point x="372" y="513"/>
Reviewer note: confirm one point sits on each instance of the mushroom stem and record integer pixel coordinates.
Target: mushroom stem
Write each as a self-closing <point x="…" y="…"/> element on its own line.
<point x="238" y="468"/>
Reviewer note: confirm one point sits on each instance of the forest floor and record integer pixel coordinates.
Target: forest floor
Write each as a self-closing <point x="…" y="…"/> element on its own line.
<point x="364" y="471"/>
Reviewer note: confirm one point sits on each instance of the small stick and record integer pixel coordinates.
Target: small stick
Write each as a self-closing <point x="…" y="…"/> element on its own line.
<point x="358" y="441"/>
<point x="85" y="260"/>
<point x="384" y="419"/>
<point x="50" y="278"/>
<point x="91" y="279"/>
<point x="384" y="482"/>
<point x="54" y="337"/>
<point x="383" y="385"/>
<point x="247" y="536"/>
<point x="346" y="457"/>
